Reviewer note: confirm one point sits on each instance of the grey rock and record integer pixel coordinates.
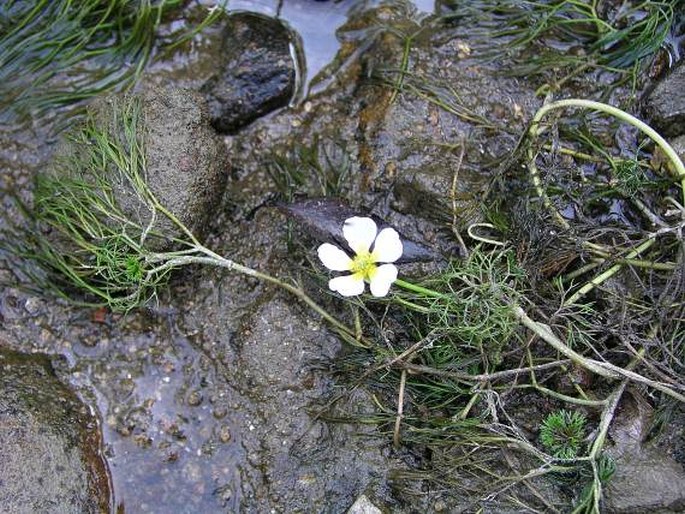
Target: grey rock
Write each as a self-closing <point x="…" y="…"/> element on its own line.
<point x="647" y="479"/>
<point x="664" y="105"/>
<point x="323" y="218"/>
<point x="364" y="506"/>
<point x="186" y="162"/>
<point x="257" y="74"/>
<point x="299" y="463"/>
<point x="49" y="443"/>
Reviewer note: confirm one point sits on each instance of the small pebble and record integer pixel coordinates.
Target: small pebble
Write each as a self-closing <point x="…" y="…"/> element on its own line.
<point x="220" y="412"/>
<point x="195" y="398"/>
<point x="32" y="305"/>
<point x="224" y="434"/>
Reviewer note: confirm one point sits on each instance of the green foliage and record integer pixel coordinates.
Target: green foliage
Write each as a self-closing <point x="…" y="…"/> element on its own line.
<point x="57" y="52"/>
<point x="319" y="169"/>
<point x="630" y="178"/>
<point x="606" y="467"/>
<point x="548" y="34"/>
<point x="82" y="239"/>
<point x="472" y="312"/>
<point x="562" y="433"/>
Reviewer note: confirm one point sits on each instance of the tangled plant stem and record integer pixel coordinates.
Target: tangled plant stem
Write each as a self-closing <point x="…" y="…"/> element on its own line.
<point x="535" y="131"/>
<point x="604" y="369"/>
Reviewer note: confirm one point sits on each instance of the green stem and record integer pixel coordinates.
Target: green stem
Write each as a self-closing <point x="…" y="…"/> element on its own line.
<point x="295" y="290"/>
<point x="419" y="289"/>
<point x="209" y="257"/>
<point x="599" y="279"/>
<point x="534" y="131"/>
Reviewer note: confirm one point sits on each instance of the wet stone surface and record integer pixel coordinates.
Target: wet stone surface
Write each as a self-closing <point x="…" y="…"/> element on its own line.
<point x="186" y="162"/>
<point x="256" y="74"/>
<point x="50" y="458"/>
<point x="647" y="479"/>
<point x="307" y="465"/>
<point x="664" y="106"/>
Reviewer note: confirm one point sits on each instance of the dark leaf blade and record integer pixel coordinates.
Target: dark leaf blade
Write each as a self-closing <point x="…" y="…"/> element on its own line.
<point x="323" y="218"/>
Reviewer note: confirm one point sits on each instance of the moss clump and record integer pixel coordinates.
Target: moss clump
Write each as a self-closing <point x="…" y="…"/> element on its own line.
<point x="562" y="433"/>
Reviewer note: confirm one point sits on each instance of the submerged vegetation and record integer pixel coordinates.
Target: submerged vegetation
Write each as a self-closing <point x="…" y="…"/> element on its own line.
<point x="569" y="37"/>
<point x="57" y="52"/>
<point x="85" y="245"/>
<point x="502" y="372"/>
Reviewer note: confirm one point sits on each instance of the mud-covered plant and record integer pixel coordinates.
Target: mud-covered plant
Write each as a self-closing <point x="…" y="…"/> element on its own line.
<point x="98" y="233"/>
<point x="562" y="433"/>
<point x="320" y="169"/>
<point x="649" y="239"/>
<point x="83" y="238"/>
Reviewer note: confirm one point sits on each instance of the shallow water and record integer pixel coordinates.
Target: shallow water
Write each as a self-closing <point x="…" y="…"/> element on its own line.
<point x="316" y="22"/>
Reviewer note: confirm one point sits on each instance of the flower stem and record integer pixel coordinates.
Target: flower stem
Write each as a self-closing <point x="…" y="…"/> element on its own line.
<point x="534" y="131"/>
<point x="604" y="369"/>
<point x="419" y="289"/>
<point x="218" y="260"/>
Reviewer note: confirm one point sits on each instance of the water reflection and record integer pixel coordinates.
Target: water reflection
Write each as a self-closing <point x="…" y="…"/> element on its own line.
<point x="316" y="22"/>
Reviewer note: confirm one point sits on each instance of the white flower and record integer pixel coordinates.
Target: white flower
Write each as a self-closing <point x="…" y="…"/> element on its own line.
<point x="370" y="247"/>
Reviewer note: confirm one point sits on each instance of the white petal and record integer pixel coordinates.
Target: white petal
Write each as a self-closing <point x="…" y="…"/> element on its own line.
<point x="334" y="258"/>
<point x="347" y="285"/>
<point x="383" y="278"/>
<point x="360" y="233"/>
<point x="388" y="247"/>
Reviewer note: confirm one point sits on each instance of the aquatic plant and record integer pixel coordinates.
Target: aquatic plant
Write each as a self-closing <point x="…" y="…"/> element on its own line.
<point x="319" y="169"/>
<point x="562" y="433"/>
<point x="563" y="39"/>
<point x="57" y="52"/>
<point x="85" y="246"/>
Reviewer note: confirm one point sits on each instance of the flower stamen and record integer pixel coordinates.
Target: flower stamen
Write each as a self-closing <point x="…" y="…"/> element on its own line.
<point x="364" y="264"/>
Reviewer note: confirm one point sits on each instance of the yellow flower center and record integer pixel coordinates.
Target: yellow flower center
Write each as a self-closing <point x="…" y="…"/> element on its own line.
<point x="364" y="264"/>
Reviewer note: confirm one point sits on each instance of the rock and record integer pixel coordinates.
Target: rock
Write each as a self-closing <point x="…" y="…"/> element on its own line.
<point x="50" y="457"/>
<point x="323" y="219"/>
<point x="186" y="162"/>
<point x="436" y="163"/>
<point x="297" y="462"/>
<point x="678" y="145"/>
<point x="257" y="74"/>
<point x="364" y="506"/>
<point x="647" y="479"/>
<point x="664" y="105"/>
